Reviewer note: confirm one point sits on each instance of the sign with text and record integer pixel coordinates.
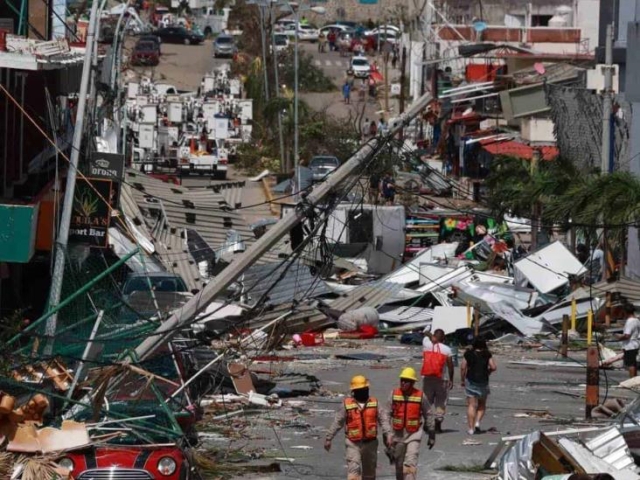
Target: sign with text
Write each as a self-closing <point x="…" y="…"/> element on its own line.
<point x="91" y="215"/>
<point x="106" y="165"/>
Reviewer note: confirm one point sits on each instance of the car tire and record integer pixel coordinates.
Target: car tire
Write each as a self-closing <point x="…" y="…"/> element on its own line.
<point x="187" y="41"/>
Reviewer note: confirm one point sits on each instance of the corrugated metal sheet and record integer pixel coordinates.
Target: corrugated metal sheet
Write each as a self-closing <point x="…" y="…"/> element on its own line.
<point x="407" y="315"/>
<point x="369" y="295"/>
<point x="611" y="447"/>
<point x="163" y="212"/>
<point x="296" y="284"/>
<point x="627" y="287"/>
<point x="308" y="318"/>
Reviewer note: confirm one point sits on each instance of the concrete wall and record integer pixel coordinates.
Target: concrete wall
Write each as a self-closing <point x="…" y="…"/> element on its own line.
<point x="537" y="130"/>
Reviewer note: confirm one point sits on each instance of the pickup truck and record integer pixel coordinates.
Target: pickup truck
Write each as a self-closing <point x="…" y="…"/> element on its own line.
<point x="216" y="163"/>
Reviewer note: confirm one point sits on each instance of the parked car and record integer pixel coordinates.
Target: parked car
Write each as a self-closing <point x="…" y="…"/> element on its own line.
<point x="152" y="38"/>
<point x="339" y="28"/>
<point x="123" y="462"/>
<point x="145" y="53"/>
<point x="281" y="42"/>
<point x="389" y="29"/>
<point x="347" y="23"/>
<point x="282" y="24"/>
<point x="379" y="39"/>
<point x="305" y="32"/>
<point x="322" y="166"/>
<point x="180" y="35"/>
<point x="157" y="281"/>
<point x="224" y="46"/>
<point x="360" y="67"/>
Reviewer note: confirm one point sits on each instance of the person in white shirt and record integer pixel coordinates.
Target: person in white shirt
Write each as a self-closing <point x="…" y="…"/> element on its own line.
<point x="436" y="387"/>
<point x="631" y="339"/>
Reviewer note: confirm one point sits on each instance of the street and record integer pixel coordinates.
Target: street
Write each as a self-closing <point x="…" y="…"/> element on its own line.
<point x="521" y="398"/>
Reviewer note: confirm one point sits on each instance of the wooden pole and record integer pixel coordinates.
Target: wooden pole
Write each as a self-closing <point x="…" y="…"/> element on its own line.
<point x="574" y="309"/>
<point x="593" y="380"/>
<point x="564" y="344"/>
<point x="468" y="315"/>
<point x="589" y="327"/>
<point x="607" y="316"/>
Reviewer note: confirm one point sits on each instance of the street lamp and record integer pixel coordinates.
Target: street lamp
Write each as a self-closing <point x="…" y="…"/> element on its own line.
<point x="295" y="9"/>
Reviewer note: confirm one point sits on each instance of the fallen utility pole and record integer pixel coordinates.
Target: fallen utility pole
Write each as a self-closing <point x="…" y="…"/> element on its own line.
<point x="186" y="314"/>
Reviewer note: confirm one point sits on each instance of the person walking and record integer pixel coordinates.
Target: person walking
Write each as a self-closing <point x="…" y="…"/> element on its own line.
<point x="631" y="338"/>
<point x="322" y="42"/>
<point x="331" y="36"/>
<point x="360" y="416"/>
<point x="410" y="414"/>
<point x="346" y="92"/>
<point x="437" y="373"/>
<point x="388" y="189"/>
<point x="374" y="188"/>
<point x="475" y="369"/>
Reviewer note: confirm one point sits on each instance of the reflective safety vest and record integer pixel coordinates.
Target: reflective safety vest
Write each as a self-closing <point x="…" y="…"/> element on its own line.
<point x="362" y="423"/>
<point x="406" y="411"/>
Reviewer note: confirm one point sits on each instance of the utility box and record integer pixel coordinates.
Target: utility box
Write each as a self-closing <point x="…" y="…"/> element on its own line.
<point x="132" y="89"/>
<point x="221" y="128"/>
<point x="149" y="114"/>
<point x="146" y="136"/>
<point x="175" y="112"/>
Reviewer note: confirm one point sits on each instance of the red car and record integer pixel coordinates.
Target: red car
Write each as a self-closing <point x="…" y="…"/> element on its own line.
<point x="145" y="53"/>
<point x="128" y="463"/>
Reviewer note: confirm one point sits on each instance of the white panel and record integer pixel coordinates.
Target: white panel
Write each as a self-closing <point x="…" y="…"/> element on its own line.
<point x="146" y="136"/>
<point x="549" y="267"/>
<point x="175" y="112"/>
<point x="449" y="319"/>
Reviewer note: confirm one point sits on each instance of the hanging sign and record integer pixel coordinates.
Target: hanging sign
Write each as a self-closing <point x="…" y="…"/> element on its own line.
<point x="91" y="215"/>
<point x="106" y="165"/>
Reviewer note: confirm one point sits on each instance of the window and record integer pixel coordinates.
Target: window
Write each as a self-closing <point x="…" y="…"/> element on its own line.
<point x="540" y="20"/>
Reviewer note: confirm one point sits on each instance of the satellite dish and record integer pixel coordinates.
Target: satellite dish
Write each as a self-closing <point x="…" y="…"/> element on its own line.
<point x="479" y="26"/>
<point x="539" y="68"/>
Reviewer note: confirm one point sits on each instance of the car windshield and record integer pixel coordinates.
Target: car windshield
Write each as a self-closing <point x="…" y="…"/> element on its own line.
<point x="224" y="40"/>
<point x="281" y="40"/>
<point x="324" y="162"/>
<point x="146" y="46"/>
<point x="360" y="62"/>
<point x="159" y="284"/>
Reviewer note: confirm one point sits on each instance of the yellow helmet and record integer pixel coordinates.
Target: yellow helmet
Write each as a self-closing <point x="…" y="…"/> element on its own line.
<point x="359" y="381"/>
<point x="409" y="373"/>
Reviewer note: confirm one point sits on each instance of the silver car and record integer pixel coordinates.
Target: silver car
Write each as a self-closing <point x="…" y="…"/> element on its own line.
<point x="322" y="166"/>
<point x="224" y="46"/>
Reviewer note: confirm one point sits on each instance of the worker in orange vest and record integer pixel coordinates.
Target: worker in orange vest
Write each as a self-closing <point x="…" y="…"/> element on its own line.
<point x="360" y="416"/>
<point x="408" y="407"/>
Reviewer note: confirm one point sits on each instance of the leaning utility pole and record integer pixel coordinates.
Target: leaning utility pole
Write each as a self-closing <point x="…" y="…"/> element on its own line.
<point x="186" y="315"/>
<point x="605" y="154"/>
<point x="67" y="206"/>
<point x="607" y="102"/>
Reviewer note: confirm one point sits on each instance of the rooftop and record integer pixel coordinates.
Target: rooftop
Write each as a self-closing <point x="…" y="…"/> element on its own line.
<point x="513" y="148"/>
<point x="29" y="54"/>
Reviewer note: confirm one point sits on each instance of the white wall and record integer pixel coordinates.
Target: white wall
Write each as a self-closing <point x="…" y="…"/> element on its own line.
<point x="587" y="17"/>
<point x="537" y="130"/>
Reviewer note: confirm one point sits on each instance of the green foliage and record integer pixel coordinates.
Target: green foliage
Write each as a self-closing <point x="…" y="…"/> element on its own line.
<point x="310" y="77"/>
<point x="513" y="186"/>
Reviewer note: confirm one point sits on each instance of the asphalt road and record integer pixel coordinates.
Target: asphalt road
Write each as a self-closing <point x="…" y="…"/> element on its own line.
<point x="297" y="433"/>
